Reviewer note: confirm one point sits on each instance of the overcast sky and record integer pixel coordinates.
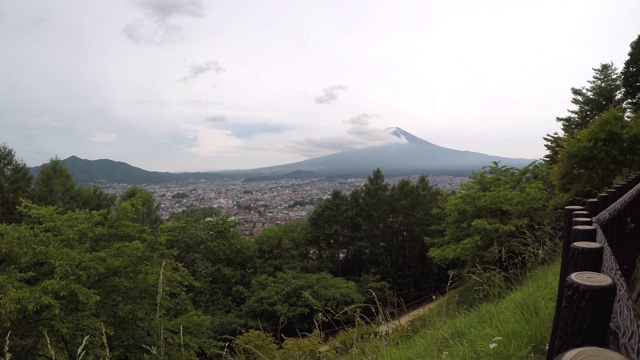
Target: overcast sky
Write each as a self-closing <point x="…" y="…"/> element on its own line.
<point x="185" y="85"/>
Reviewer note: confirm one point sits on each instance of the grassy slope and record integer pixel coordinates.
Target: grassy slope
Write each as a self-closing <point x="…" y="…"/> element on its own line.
<point x="522" y="320"/>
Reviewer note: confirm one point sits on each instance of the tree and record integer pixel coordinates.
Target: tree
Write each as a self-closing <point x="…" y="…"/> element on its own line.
<point x="221" y="261"/>
<point x="289" y="302"/>
<point x="553" y="144"/>
<point x="15" y="184"/>
<point x="597" y="155"/>
<point x="371" y="211"/>
<point x="376" y="235"/>
<point x="631" y="77"/>
<point x="485" y="220"/>
<point x="285" y="247"/>
<point x="55" y="186"/>
<point x="331" y="232"/>
<point x="412" y="217"/>
<point x="604" y="91"/>
<point x="139" y="206"/>
<point x="69" y="274"/>
<point x="93" y="198"/>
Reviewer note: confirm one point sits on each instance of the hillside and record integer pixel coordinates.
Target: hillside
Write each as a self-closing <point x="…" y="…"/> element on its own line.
<point x="88" y="172"/>
<point x="515" y="326"/>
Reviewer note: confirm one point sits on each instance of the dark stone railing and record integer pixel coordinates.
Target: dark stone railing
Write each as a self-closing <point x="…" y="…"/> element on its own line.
<point x="596" y="299"/>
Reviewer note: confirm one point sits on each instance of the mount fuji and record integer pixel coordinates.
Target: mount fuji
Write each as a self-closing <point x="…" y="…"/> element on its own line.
<point x="407" y="155"/>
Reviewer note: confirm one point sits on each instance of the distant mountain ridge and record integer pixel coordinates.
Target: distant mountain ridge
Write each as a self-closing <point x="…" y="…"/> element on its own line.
<point x="105" y="171"/>
<point x="410" y="156"/>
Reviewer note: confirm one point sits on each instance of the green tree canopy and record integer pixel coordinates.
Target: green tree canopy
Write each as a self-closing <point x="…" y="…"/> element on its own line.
<point x="139" y="206"/>
<point x="604" y="91"/>
<point x="331" y="232"/>
<point x="377" y="233"/>
<point x="54" y="186"/>
<point x="285" y="247"/>
<point x="93" y="198"/>
<point x="631" y="77"/>
<point x="485" y="220"/>
<point x="221" y="261"/>
<point x="288" y="302"/>
<point x="592" y="159"/>
<point x="15" y="184"/>
<point x="69" y="274"/>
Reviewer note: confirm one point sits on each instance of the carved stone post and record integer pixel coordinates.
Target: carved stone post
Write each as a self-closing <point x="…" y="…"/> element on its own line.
<point x="586" y="311"/>
<point x="567" y="218"/>
<point x="593" y="207"/>
<point x="591" y="352"/>
<point x="585" y="256"/>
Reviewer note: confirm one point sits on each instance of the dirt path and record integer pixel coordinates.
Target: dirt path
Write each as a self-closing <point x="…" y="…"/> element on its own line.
<point x="402" y="320"/>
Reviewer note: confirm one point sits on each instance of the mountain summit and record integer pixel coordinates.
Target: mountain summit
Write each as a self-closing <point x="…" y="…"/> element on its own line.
<point x="404" y="136"/>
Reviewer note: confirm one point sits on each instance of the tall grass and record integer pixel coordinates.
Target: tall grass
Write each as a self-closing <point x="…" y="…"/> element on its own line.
<point x="516" y="327"/>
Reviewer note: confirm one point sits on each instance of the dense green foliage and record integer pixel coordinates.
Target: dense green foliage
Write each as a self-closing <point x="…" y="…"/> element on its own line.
<point x="221" y="262"/>
<point x="630" y="75"/>
<point x="487" y="220"/>
<point x="284" y="248"/>
<point x="377" y="233"/>
<point x="80" y="266"/>
<point x="600" y="138"/>
<point x="608" y="148"/>
<point x="604" y="91"/>
<point x="15" y="183"/>
<point x="69" y="274"/>
<point x="55" y="186"/>
<point x="289" y="302"/>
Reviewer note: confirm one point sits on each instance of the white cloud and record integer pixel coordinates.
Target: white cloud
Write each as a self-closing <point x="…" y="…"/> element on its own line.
<point x="158" y="26"/>
<point x="206" y="141"/>
<point x="160" y="32"/>
<point x="216" y="118"/>
<point x="359" y="134"/>
<point x="164" y="9"/>
<point x="330" y="94"/>
<point x="199" y="69"/>
<point x="102" y="137"/>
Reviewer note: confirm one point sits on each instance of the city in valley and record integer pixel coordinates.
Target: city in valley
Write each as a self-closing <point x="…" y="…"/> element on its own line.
<point x="261" y="204"/>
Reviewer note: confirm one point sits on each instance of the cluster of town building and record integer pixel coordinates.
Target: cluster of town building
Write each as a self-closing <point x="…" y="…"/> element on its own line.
<point x="257" y="205"/>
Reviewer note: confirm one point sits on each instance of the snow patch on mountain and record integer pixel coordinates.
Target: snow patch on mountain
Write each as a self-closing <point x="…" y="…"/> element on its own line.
<point x="406" y="137"/>
<point x="396" y="132"/>
<point x="399" y="134"/>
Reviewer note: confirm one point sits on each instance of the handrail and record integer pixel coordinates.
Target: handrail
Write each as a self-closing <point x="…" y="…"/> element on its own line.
<point x="625" y="324"/>
<point x="616" y="224"/>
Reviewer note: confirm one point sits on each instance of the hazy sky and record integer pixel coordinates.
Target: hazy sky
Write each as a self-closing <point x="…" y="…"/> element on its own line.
<point x="183" y="85"/>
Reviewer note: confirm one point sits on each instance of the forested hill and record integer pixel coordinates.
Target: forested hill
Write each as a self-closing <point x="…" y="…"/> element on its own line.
<point x="88" y="172"/>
